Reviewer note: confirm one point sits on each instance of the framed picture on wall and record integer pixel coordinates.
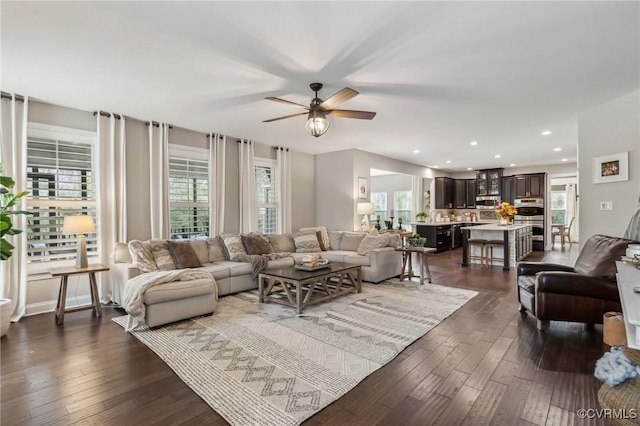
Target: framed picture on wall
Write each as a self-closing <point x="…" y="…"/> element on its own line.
<point x="363" y="187"/>
<point x="611" y="168"/>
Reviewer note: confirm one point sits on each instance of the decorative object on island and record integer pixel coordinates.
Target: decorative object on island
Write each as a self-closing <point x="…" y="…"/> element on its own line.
<point x="363" y="188"/>
<point x="7" y="202"/>
<point x="611" y="168"/>
<point x="421" y="216"/>
<point x="365" y="209"/>
<point x="79" y="224"/>
<point x="505" y="212"/>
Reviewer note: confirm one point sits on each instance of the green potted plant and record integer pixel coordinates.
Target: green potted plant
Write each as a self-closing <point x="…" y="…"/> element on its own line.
<point x="421" y="216"/>
<point x="7" y="201"/>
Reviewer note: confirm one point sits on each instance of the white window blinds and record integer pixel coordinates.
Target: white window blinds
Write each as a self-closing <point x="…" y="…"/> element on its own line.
<point x="267" y="190"/>
<point x="188" y="194"/>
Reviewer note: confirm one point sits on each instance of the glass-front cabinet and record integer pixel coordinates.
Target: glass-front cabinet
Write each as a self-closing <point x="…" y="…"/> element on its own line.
<point x="488" y="182"/>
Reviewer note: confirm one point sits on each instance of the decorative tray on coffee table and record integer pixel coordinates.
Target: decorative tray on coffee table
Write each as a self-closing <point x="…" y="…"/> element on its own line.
<point x="307" y="267"/>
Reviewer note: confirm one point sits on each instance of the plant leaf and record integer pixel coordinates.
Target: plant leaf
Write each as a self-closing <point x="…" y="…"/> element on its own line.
<point x="7" y="182"/>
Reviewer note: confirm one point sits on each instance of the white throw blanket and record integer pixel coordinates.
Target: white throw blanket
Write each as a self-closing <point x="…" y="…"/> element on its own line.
<point x="132" y="299"/>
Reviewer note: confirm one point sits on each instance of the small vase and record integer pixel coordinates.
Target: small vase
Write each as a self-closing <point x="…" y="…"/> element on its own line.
<point x="504" y="221"/>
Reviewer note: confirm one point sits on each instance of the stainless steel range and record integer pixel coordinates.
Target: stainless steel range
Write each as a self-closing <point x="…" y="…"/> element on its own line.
<point x="531" y="212"/>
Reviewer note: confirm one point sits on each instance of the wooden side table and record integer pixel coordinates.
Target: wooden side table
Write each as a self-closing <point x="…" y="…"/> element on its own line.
<point x="422" y="256"/>
<point x="64" y="273"/>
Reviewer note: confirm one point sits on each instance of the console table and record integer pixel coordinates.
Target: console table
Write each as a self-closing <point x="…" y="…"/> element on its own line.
<point x="64" y="273"/>
<point x="629" y="278"/>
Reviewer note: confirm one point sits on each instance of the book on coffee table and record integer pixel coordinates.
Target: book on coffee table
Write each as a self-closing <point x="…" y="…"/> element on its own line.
<point x="306" y="267"/>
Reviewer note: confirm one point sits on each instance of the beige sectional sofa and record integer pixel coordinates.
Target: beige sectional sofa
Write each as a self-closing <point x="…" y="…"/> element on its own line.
<point x="173" y="299"/>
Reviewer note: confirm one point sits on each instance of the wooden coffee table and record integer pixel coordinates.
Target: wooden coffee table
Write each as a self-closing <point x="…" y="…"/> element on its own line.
<point x="298" y="289"/>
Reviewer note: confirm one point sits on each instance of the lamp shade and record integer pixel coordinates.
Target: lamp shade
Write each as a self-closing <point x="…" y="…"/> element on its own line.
<point x="365" y="208"/>
<point x="78" y="224"/>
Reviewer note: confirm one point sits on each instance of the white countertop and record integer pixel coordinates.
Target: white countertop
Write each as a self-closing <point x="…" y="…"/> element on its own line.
<point x="467" y="222"/>
<point x="496" y="227"/>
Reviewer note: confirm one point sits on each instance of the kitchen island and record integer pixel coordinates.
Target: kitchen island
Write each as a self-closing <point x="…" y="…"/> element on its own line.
<point x="516" y="242"/>
<point x="442" y="235"/>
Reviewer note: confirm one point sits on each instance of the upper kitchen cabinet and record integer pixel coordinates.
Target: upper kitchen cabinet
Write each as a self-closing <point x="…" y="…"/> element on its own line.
<point x="529" y="185"/>
<point x="508" y="189"/>
<point x="444" y="193"/>
<point x="471" y="193"/>
<point x="460" y="194"/>
<point x="488" y="182"/>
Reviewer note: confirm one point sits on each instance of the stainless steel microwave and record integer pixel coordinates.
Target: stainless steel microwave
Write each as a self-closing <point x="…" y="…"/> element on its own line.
<point x="489" y="202"/>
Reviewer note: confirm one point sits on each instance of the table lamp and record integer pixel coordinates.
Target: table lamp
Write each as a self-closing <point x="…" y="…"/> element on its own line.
<point x="365" y="209"/>
<point x="79" y="224"/>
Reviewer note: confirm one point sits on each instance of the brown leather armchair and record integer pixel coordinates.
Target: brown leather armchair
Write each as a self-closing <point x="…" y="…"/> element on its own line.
<point x="582" y="293"/>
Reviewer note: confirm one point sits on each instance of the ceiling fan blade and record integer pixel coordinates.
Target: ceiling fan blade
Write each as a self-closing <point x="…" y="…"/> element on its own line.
<point x="286" y="116"/>
<point x="338" y="98"/>
<point x="284" y="101"/>
<point x="347" y="113"/>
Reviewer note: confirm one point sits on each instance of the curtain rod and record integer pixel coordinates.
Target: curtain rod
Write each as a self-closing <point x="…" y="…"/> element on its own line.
<point x="156" y="124"/>
<point x="107" y="114"/>
<point x="5" y="95"/>
<point x="281" y="148"/>
<point x="211" y="134"/>
<point x="240" y="141"/>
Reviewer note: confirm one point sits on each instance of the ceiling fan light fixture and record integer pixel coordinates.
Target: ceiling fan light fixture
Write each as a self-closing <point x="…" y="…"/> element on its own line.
<point x="317" y="123"/>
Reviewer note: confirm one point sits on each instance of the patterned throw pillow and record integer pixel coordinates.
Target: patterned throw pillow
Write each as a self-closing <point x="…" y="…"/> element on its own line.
<point x="306" y="242"/>
<point x="394" y="240"/>
<point x="233" y="243"/>
<point x="323" y="231"/>
<point x="183" y="254"/>
<point x="372" y="241"/>
<point x="335" y="237"/>
<point x="321" y="241"/>
<point x="282" y="243"/>
<point x="161" y="255"/>
<point x="255" y="243"/>
<point x="142" y="256"/>
<point x="217" y="250"/>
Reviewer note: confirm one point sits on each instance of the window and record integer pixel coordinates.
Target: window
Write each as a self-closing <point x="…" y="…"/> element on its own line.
<point x="61" y="182"/>
<point x="379" y="200"/>
<point x="402" y="205"/>
<point x="558" y="207"/>
<point x="188" y="193"/>
<point x="267" y="192"/>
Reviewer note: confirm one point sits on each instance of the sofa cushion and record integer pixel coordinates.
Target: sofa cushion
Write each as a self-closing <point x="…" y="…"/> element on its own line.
<point x="202" y="250"/>
<point x="183" y="254"/>
<point x="323" y="232"/>
<point x="121" y="253"/>
<point x="256" y="244"/>
<point x="237" y="268"/>
<point x="351" y="241"/>
<point x="280" y="263"/>
<point x="306" y="242"/>
<point x="217" y="250"/>
<point x="162" y="255"/>
<point x="177" y="290"/>
<point x="218" y="271"/>
<point x="356" y="259"/>
<point x="233" y="244"/>
<point x="372" y="241"/>
<point x="335" y="255"/>
<point x="335" y="237"/>
<point x="142" y="256"/>
<point x="282" y="243"/>
<point x="599" y="254"/>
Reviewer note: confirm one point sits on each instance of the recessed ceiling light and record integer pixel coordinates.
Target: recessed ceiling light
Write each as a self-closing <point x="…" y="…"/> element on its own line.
<point x="546" y="133"/>
<point x="435" y="167"/>
<point x="474" y="143"/>
<point x="557" y="149"/>
<point x="469" y="168"/>
<point x="512" y="164"/>
<point x="416" y="151"/>
<point x="496" y="156"/>
<point x="564" y="159"/>
<point x="448" y="161"/>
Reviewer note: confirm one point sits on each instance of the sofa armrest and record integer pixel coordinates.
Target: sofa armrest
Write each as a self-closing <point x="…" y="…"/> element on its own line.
<point x="573" y="284"/>
<point x="532" y="268"/>
<point x="120" y="274"/>
<point x="384" y="255"/>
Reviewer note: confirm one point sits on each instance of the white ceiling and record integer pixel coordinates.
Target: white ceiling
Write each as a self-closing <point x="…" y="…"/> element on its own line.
<point x="439" y="74"/>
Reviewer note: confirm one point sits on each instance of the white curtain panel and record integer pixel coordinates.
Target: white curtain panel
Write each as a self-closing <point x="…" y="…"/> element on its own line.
<point x="13" y="155"/>
<point x="112" y="187"/>
<point x="572" y="210"/>
<point x="417" y="196"/>
<point x="248" y="202"/>
<point x="159" y="180"/>
<point x="283" y="163"/>
<point x="217" y="171"/>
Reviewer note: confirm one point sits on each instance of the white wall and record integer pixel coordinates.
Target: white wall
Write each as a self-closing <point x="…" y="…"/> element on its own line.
<point x="510" y="171"/>
<point x="608" y="129"/>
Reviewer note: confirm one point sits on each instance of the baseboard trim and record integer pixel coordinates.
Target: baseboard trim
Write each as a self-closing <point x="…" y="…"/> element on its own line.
<point x="50" y="306"/>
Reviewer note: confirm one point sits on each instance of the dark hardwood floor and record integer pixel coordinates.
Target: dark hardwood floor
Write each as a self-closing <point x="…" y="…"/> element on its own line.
<point x="486" y="364"/>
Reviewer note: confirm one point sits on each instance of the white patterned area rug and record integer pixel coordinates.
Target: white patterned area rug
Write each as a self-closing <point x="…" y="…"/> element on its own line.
<point x="261" y="364"/>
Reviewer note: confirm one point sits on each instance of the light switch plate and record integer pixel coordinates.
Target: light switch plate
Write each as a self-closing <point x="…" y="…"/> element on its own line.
<point x="606" y="205"/>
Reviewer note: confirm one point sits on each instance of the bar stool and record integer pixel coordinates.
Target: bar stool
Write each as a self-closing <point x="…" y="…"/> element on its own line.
<point x="489" y="246"/>
<point x="476" y="242"/>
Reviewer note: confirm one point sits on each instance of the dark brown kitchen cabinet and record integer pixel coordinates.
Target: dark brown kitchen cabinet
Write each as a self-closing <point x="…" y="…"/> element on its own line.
<point x="471" y="193"/>
<point x="444" y="193"/>
<point x="460" y="194"/>
<point x="530" y="185"/>
<point x="488" y="182"/>
<point x="508" y="189"/>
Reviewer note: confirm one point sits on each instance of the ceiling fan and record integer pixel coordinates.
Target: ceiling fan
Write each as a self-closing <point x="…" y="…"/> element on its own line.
<point x="317" y="123"/>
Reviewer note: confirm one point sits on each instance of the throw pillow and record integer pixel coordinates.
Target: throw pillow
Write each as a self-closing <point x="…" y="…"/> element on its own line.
<point x="351" y="241"/>
<point x="202" y="250"/>
<point x="183" y="254"/>
<point x="323" y="231"/>
<point x="162" y="256"/>
<point x="394" y="240"/>
<point x="282" y="243"/>
<point x="142" y="256"/>
<point x="599" y="254"/>
<point x="233" y="244"/>
<point x="217" y="250"/>
<point x="372" y="241"/>
<point x="320" y="241"/>
<point x="256" y="244"/>
<point x="306" y="242"/>
<point x="335" y="237"/>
